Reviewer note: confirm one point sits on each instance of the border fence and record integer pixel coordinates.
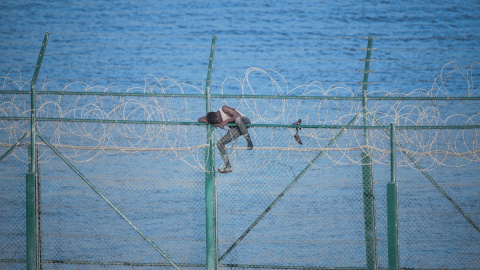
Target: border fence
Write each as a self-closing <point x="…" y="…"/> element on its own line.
<point x="129" y="190"/>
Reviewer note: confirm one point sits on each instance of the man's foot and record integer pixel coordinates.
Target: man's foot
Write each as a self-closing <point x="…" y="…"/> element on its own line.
<point x="227" y="169"/>
<point x="249" y="142"/>
<point x="297" y="138"/>
<point x="250" y="145"/>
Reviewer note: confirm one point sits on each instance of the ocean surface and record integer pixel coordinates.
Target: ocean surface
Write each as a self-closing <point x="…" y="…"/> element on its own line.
<point x="119" y="42"/>
<point x="421" y="48"/>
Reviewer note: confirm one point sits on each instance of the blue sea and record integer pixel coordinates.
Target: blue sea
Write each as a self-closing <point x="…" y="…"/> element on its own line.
<point x="420" y="48"/>
<point x="119" y="42"/>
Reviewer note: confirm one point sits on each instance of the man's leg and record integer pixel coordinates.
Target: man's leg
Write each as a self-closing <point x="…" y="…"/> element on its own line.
<point x="240" y="122"/>
<point x="232" y="134"/>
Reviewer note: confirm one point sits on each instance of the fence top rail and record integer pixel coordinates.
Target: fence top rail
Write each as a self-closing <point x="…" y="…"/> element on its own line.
<point x="113" y="121"/>
<point x="374" y="97"/>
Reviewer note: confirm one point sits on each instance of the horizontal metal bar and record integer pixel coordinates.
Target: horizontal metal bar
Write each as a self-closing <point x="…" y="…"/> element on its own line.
<point x="286" y="97"/>
<point x="12" y="261"/>
<point x="438" y="127"/>
<point x="203" y="265"/>
<point x="11" y="92"/>
<point x="290" y="267"/>
<point x="313" y="267"/>
<point x="121" y="263"/>
<point x="361" y="127"/>
<point x="312" y="126"/>
<point x="107" y="121"/>
<point x="79" y="93"/>
<point x="14" y="118"/>
<point x="423" y="98"/>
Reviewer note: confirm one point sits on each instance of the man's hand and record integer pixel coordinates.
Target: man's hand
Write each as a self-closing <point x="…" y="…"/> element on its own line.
<point x="202" y="119"/>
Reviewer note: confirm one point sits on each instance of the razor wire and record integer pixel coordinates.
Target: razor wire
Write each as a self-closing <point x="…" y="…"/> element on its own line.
<point x="122" y="119"/>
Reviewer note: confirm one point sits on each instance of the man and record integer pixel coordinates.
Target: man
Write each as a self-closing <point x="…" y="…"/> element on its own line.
<point x="219" y="119"/>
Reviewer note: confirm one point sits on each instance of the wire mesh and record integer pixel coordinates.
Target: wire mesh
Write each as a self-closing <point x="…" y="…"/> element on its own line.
<point x="303" y="227"/>
<point x="153" y="189"/>
<point x="438" y="208"/>
<point x="285" y="205"/>
<point x="12" y="214"/>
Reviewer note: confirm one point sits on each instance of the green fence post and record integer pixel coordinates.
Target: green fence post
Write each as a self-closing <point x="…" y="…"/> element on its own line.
<point x="210" y="188"/>
<point x="31" y="215"/>
<point x="366" y="71"/>
<point x="367" y="175"/>
<point x="369" y="211"/>
<point x="31" y="222"/>
<point x="392" y="208"/>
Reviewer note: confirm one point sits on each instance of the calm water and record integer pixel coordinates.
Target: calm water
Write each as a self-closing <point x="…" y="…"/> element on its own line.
<point x="122" y="41"/>
<point x="128" y="45"/>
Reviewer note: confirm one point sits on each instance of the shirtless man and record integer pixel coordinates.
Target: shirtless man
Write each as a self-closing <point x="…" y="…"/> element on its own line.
<point x="219" y="119"/>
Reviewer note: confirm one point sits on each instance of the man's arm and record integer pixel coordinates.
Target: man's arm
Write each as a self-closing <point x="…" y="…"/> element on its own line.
<point x="230" y="112"/>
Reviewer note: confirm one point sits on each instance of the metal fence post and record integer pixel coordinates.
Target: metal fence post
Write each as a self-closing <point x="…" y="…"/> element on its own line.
<point x="367" y="175"/>
<point x="392" y="208"/>
<point x="32" y="193"/>
<point x="31" y="222"/>
<point x="210" y="187"/>
<point x="369" y="211"/>
<point x="366" y="71"/>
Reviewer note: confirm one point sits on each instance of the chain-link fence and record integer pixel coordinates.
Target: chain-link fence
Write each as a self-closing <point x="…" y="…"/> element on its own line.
<point x="294" y="205"/>
<point x="12" y="205"/>
<point x="319" y="204"/>
<point x="438" y="200"/>
<point x="122" y="180"/>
